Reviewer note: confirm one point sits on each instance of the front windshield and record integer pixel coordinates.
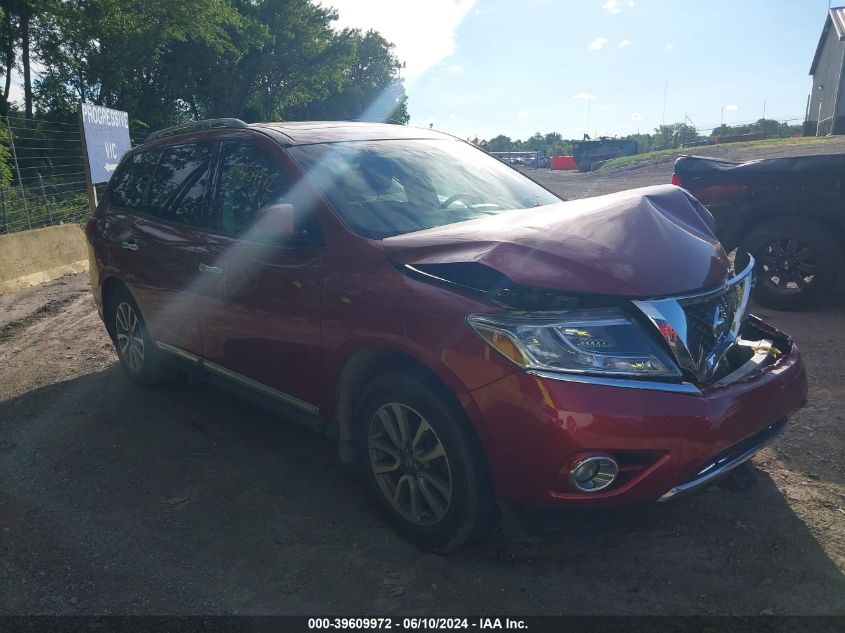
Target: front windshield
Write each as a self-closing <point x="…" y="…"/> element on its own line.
<point x="385" y="188"/>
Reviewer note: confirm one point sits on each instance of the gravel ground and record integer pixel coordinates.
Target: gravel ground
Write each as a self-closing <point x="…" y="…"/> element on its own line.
<point x="185" y="500"/>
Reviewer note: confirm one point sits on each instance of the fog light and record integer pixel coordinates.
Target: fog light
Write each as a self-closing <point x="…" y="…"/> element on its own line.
<point x="593" y="473"/>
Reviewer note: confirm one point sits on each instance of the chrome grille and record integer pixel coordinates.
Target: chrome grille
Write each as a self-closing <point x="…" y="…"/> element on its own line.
<point x="700" y="329"/>
<point x="707" y="323"/>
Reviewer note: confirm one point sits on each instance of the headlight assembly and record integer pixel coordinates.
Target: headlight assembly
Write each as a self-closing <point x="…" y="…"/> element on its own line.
<point x="602" y="342"/>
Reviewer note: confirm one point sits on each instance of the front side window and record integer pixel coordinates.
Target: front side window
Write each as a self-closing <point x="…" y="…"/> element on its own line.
<point x="130" y="181"/>
<point x="248" y="180"/>
<point x="177" y="190"/>
<point x="385" y="188"/>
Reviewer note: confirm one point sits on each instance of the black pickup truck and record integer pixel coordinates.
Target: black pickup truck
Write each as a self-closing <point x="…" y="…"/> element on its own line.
<point x="789" y="213"/>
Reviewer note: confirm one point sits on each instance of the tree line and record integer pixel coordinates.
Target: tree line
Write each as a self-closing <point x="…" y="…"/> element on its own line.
<point x="168" y="61"/>
<point x="669" y="136"/>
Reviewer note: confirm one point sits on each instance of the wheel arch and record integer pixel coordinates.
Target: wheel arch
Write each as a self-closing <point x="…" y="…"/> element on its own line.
<point x="109" y="287"/>
<point x="823" y="213"/>
<point x="359" y="370"/>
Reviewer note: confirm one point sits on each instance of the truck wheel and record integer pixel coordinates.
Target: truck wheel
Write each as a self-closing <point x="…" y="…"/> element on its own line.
<point x="798" y="263"/>
<point x="139" y="356"/>
<point x="423" y="464"/>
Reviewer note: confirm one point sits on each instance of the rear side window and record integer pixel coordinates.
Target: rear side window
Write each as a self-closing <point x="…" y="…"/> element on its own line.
<point x="130" y="181"/>
<point x="178" y="188"/>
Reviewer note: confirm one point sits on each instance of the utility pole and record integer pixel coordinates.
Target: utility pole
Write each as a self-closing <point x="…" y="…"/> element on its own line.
<point x="665" y="95"/>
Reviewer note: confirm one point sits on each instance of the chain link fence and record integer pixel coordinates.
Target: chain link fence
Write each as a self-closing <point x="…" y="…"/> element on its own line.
<point x="47" y="174"/>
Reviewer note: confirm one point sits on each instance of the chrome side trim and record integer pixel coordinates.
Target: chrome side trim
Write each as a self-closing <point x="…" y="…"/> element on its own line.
<point x="653" y="385"/>
<point x="721" y="470"/>
<point x="241" y="379"/>
<point x="261" y="387"/>
<point x="177" y="351"/>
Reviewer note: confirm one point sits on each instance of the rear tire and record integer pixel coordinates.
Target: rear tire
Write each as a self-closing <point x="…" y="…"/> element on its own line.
<point x="139" y="356"/>
<point x="423" y="464"/>
<point x="798" y="263"/>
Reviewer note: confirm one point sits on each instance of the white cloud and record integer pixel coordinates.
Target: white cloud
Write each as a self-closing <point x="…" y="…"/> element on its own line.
<point x="612" y="6"/>
<point x="423" y="32"/>
<point x="631" y="3"/>
<point x="731" y="108"/>
<point x="669" y="48"/>
<point x="597" y="43"/>
<point x="454" y="69"/>
<point x="625" y="43"/>
<point x="585" y="96"/>
<point x="635" y="116"/>
<point x="523" y="114"/>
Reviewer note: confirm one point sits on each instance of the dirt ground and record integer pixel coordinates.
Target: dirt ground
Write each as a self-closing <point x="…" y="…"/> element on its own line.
<point x="116" y="499"/>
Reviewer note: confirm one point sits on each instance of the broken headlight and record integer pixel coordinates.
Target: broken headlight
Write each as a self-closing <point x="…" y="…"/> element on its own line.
<point x="603" y="342"/>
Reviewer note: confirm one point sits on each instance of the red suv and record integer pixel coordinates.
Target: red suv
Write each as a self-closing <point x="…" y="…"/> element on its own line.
<point x="465" y="335"/>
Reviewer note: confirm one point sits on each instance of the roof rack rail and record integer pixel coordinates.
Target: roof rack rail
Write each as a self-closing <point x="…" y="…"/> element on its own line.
<point x="193" y="126"/>
<point x="376" y="120"/>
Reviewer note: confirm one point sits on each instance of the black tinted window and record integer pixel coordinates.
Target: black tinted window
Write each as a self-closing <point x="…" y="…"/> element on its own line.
<point x="130" y="181"/>
<point x="177" y="190"/>
<point x="190" y="205"/>
<point x="248" y="180"/>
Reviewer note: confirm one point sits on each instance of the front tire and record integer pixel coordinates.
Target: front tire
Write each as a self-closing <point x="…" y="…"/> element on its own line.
<point x="423" y="464"/>
<point x="798" y="264"/>
<point x="138" y="354"/>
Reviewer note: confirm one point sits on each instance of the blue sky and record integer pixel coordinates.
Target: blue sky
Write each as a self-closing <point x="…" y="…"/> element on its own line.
<point x="484" y="67"/>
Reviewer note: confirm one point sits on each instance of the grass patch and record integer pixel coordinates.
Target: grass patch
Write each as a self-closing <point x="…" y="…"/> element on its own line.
<point x="615" y="163"/>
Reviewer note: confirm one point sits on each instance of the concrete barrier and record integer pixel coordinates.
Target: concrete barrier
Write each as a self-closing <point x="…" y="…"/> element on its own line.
<point x="29" y="258"/>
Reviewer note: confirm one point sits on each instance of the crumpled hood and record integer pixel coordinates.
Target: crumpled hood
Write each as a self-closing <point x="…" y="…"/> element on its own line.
<point x="647" y="242"/>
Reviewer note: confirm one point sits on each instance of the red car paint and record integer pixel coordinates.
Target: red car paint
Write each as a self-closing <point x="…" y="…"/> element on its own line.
<point x="626" y="243"/>
<point x="292" y="318"/>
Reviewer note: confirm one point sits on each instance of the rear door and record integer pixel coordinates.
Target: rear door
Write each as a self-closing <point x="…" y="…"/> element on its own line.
<point x="158" y="241"/>
<point x="260" y="313"/>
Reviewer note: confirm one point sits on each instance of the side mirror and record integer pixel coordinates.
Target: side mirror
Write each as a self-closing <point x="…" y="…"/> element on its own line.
<point x="275" y="222"/>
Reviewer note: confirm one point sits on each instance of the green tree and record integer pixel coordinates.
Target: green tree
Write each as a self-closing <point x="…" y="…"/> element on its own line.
<point x="20" y="23"/>
<point x="500" y="143"/>
<point x="768" y="127"/>
<point x="5" y="169"/>
<point x="166" y="62"/>
<point x="368" y="89"/>
<point x="674" y="135"/>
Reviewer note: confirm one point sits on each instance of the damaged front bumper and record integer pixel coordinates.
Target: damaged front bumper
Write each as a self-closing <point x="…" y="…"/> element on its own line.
<point x="667" y="440"/>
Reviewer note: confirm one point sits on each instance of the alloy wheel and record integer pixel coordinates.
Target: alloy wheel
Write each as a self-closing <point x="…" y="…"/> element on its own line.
<point x="409" y="464"/>
<point x="787" y="264"/>
<point x="130" y="338"/>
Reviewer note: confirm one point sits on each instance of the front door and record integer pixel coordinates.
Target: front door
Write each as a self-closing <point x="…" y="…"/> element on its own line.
<point x="260" y="311"/>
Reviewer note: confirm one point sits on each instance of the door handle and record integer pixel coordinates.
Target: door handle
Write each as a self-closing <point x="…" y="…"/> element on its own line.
<point x="129" y="246"/>
<point x="211" y="269"/>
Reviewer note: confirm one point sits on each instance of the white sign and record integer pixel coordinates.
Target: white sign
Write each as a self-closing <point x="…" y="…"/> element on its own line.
<point x="106" y="138"/>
